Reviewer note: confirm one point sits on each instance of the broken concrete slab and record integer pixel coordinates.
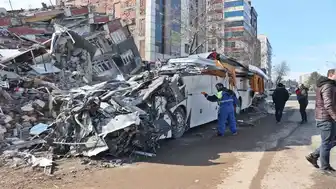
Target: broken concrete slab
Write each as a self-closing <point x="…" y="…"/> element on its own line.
<point x="40" y="103"/>
<point x="27" y="108"/>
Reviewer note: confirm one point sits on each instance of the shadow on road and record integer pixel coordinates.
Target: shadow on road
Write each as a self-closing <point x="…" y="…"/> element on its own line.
<point x="200" y="147"/>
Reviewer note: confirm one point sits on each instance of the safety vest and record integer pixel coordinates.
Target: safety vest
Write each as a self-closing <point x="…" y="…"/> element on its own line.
<point x="220" y="96"/>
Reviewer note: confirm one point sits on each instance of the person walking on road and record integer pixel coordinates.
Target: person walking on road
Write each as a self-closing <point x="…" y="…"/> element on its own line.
<point x="226" y="114"/>
<point x="325" y="115"/>
<point x="302" y="96"/>
<point x="280" y="97"/>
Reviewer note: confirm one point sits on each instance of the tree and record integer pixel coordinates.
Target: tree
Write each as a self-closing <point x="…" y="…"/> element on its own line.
<point x="311" y="82"/>
<point x="280" y="71"/>
<point x="199" y="25"/>
<point x="290" y="82"/>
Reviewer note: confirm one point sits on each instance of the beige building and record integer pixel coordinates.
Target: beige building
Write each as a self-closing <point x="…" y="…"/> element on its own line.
<point x="304" y="78"/>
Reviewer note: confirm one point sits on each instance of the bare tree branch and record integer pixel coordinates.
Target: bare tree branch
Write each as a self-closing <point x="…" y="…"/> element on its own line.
<point x="311" y="82"/>
<point x="280" y="71"/>
<point x="196" y="29"/>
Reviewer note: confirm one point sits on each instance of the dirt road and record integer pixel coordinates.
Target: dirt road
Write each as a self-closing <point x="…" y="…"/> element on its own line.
<point x="267" y="156"/>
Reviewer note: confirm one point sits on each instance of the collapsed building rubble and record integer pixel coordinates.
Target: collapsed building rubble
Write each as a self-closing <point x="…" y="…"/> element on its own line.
<point x="85" y="100"/>
<point x="117" y="117"/>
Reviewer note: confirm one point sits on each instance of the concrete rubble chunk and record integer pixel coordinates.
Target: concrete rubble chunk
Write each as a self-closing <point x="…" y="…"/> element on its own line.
<point x="30" y="119"/>
<point x="8" y="119"/>
<point x="3" y="130"/>
<point x="40" y="103"/>
<point x="27" y="108"/>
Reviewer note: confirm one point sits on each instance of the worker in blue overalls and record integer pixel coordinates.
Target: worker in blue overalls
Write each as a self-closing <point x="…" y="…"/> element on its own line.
<point x="226" y="114"/>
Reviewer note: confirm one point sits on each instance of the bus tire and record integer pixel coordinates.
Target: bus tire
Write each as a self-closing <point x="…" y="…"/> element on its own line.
<point x="180" y="126"/>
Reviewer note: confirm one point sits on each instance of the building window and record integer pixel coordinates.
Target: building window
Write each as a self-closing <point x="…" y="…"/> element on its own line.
<point x="234" y="34"/>
<point x="213" y="17"/>
<point x="118" y="36"/>
<point x="127" y="57"/>
<point x="159" y="27"/>
<point x="230" y="44"/>
<point x="234" y="24"/>
<point x="247" y="9"/>
<point x="233" y="14"/>
<point x="234" y="4"/>
<point x="247" y="17"/>
<point x="102" y="65"/>
<point x="186" y="48"/>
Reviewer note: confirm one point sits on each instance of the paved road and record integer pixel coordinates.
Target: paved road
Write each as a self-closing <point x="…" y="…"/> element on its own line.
<point x="267" y="156"/>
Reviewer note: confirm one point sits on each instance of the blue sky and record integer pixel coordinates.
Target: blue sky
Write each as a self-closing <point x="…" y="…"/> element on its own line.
<point x="301" y="32"/>
<point x="18" y="4"/>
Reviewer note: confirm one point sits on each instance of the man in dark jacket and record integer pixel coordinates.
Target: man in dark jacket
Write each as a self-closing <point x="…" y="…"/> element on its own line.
<point x="325" y="115"/>
<point x="303" y="101"/>
<point x="280" y="97"/>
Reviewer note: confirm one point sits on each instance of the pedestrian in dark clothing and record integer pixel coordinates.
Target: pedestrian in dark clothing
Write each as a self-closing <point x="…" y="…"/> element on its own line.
<point x="303" y="101"/>
<point x="280" y="97"/>
<point x="325" y="115"/>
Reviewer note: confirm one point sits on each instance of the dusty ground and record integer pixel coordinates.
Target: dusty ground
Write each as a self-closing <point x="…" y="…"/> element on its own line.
<point x="267" y="156"/>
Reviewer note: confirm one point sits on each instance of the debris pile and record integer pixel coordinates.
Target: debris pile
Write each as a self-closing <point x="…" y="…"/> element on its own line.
<point x="74" y="100"/>
<point x="117" y="117"/>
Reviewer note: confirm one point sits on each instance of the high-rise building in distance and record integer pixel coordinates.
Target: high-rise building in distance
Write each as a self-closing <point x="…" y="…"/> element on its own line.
<point x="240" y="37"/>
<point x="266" y="54"/>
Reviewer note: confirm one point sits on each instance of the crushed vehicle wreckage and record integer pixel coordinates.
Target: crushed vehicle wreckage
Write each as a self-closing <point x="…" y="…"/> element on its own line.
<point x="118" y="117"/>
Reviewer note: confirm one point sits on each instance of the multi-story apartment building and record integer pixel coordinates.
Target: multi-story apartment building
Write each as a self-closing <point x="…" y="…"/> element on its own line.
<point x="240" y="37"/>
<point x="266" y="54"/>
<point x="158" y="26"/>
